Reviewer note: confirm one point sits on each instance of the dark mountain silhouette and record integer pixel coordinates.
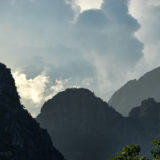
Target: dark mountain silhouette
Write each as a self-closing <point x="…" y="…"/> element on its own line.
<point x="133" y="92"/>
<point x="21" y="138"/>
<point x="147" y="115"/>
<point x="83" y="127"/>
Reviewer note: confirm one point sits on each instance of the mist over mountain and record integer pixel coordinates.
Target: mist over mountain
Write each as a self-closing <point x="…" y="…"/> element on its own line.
<point x="84" y="127"/>
<point x="21" y="138"/>
<point x="134" y="91"/>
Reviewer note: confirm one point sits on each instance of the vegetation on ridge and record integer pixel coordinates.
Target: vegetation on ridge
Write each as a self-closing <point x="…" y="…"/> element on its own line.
<point x="133" y="152"/>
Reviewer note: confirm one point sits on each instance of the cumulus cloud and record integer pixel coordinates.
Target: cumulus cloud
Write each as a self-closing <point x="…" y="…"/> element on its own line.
<point x="154" y="2"/>
<point x="54" y="39"/>
<point x="31" y="89"/>
<point x="37" y="90"/>
<point x="108" y="41"/>
<point x="89" y="4"/>
<point x="54" y="89"/>
<point x="147" y="13"/>
<point x="98" y="30"/>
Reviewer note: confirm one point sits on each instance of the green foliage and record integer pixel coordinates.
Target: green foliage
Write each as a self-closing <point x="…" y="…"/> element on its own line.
<point x="133" y="151"/>
<point x="156" y="152"/>
<point x="130" y="153"/>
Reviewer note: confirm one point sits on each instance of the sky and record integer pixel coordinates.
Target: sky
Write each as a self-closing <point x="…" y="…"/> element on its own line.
<point x="51" y="45"/>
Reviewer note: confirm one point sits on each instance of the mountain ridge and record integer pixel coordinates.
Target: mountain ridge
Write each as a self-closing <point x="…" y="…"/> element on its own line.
<point x="20" y="135"/>
<point x="80" y="123"/>
<point x="78" y="120"/>
<point x="133" y="92"/>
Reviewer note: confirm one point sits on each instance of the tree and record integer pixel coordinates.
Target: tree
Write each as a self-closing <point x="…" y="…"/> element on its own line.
<point x="133" y="151"/>
<point x="130" y="153"/>
<point x="156" y="152"/>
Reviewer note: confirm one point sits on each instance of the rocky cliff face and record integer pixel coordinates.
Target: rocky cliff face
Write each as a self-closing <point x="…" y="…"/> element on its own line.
<point x="84" y="127"/>
<point x="21" y="138"/>
<point x="147" y="115"/>
<point x="135" y="91"/>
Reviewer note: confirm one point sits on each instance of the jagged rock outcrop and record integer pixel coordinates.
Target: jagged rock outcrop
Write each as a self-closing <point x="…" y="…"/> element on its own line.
<point x="147" y="115"/>
<point x="85" y="127"/>
<point x="21" y="138"/>
<point x="135" y="91"/>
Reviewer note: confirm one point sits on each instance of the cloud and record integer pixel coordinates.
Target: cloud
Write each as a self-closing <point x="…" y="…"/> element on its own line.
<point x="31" y="89"/>
<point x="54" y="89"/>
<point x="37" y="90"/>
<point x="89" y="4"/>
<point x="154" y="2"/>
<point x="147" y="13"/>
<point x="98" y="30"/>
<point x="34" y="92"/>
<point x="52" y="40"/>
<point x="109" y="44"/>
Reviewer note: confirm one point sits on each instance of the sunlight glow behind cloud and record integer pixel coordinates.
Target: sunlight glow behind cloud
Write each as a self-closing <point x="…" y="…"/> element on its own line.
<point x="36" y="90"/>
<point x="31" y="89"/>
<point x="89" y="4"/>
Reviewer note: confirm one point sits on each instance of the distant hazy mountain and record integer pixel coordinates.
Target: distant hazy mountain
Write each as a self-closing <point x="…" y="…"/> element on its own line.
<point x="83" y="127"/>
<point x="20" y="135"/>
<point x="132" y="93"/>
